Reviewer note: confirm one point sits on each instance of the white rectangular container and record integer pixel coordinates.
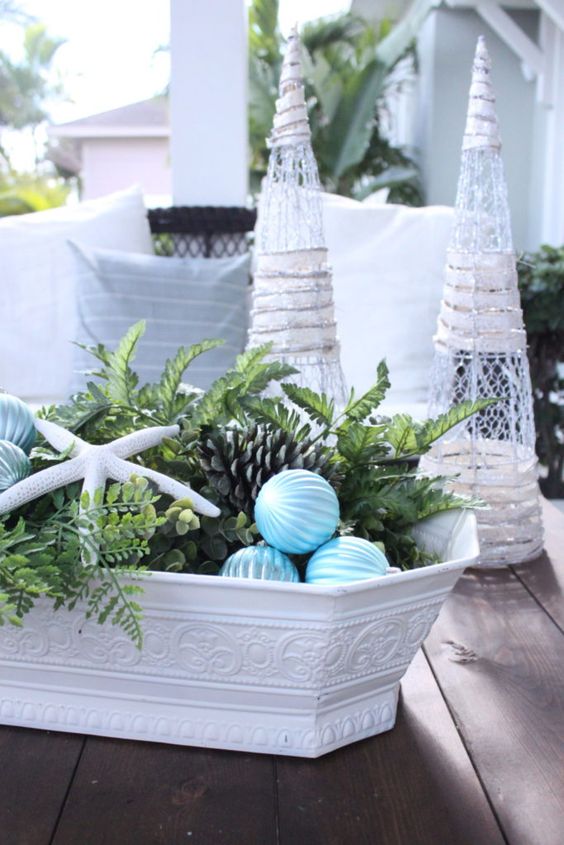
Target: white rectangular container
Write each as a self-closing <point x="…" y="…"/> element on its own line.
<point x="229" y="663"/>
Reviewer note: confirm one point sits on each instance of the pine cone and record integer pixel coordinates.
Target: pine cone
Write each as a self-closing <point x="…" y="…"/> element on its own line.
<point x="239" y="461"/>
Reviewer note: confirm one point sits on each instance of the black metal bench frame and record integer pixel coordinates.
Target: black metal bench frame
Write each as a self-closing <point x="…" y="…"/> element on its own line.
<point x="202" y="231"/>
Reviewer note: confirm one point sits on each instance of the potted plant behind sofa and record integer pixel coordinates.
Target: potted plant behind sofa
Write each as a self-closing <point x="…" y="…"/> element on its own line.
<point x="541" y="283"/>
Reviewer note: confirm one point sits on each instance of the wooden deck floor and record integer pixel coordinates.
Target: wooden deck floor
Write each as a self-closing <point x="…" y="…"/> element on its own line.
<point x="476" y="757"/>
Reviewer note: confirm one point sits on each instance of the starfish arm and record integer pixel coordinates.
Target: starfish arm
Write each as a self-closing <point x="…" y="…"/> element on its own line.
<point x="138" y="441"/>
<point x="59" y="437"/>
<point x="94" y="477"/>
<point x="123" y="470"/>
<point x="40" y="483"/>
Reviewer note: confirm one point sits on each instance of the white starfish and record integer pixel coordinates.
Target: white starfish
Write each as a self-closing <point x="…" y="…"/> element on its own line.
<point x="95" y="464"/>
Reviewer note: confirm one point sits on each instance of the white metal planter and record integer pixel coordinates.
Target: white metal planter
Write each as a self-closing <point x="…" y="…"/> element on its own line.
<point x="229" y="663"/>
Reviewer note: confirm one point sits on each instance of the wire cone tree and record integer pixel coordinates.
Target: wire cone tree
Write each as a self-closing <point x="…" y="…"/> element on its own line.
<point x="293" y="289"/>
<point x="481" y="348"/>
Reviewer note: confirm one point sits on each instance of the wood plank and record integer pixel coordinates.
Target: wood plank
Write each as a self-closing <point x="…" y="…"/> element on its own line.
<point x="499" y="660"/>
<point x="411" y="786"/>
<point x="36" y="771"/>
<point x="545" y="577"/>
<point x="133" y="792"/>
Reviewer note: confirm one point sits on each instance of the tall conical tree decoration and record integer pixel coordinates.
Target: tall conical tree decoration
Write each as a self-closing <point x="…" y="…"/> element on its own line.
<point x="293" y="289"/>
<point x="480" y="348"/>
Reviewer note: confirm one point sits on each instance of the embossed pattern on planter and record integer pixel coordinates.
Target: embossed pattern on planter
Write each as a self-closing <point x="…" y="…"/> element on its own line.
<point x="220" y="648"/>
<point x="223" y="732"/>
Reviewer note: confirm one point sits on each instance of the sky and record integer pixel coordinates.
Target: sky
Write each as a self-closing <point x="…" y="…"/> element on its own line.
<point x="109" y="58"/>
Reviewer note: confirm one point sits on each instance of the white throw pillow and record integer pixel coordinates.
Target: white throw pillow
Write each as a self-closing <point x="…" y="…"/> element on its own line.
<point x="388" y="264"/>
<point x="37" y="298"/>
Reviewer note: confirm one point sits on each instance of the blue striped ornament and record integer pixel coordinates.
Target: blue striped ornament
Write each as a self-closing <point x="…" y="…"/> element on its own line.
<point x="296" y="511"/>
<point x="346" y="559"/>
<point x="262" y="562"/>
<point x="14" y="464"/>
<point x="16" y="422"/>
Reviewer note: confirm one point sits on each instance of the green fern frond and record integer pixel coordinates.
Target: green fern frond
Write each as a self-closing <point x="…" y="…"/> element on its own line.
<point x="402" y="435"/>
<point x="121" y="378"/>
<point x="431" y="430"/>
<point x="274" y="411"/>
<point x="248" y="360"/>
<point x="319" y="407"/>
<point x="174" y="371"/>
<point x="361" y="444"/>
<point x="358" y="409"/>
<point x="259" y="379"/>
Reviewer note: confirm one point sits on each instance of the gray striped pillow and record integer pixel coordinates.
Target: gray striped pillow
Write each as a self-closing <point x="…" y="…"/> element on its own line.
<point x="183" y="300"/>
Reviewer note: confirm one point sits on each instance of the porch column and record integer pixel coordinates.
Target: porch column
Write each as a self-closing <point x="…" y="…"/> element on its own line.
<point x="551" y="90"/>
<point x="208" y="102"/>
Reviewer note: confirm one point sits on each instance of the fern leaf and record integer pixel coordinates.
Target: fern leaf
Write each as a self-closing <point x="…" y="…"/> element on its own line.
<point x="431" y="430"/>
<point x="264" y="373"/>
<point x="99" y="351"/>
<point x="96" y="393"/>
<point x="444" y="501"/>
<point x="248" y="360"/>
<point x="212" y="405"/>
<point x="317" y="406"/>
<point x="402" y="435"/>
<point x="274" y="411"/>
<point x="257" y="372"/>
<point x="360" y="443"/>
<point x="121" y="378"/>
<point x="174" y="370"/>
<point x="359" y="409"/>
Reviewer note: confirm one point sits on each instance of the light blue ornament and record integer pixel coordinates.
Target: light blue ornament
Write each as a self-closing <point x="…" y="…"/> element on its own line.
<point x="296" y="511"/>
<point x="346" y="559"/>
<point x="16" y="422"/>
<point x="14" y="464"/>
<point x="260" y="562"/>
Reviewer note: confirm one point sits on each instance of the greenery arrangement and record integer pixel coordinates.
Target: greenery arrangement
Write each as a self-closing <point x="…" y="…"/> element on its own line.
<point x="349" y="67"/>
<point x="232" y="440"/>
<point x="541" y="283"/>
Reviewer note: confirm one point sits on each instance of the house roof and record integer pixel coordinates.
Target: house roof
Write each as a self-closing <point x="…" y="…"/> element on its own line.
<point x="147" y="119"/>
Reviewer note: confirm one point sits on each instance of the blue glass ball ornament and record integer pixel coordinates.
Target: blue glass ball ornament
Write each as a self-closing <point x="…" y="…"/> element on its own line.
<point x="345" y="559"/>
<point x="260" y="562"/>
<point x="14" y="464"/>
<point x="296" y="511"/>
<point x="16" y="422"/>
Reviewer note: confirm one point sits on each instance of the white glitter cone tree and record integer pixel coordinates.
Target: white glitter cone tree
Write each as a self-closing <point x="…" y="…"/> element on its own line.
<point x="293" y="289"/>
<point x="480" y="348"/>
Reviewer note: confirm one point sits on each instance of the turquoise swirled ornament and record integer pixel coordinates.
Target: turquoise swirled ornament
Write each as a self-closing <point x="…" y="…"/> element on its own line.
<point x="16" y="422"/>
<point x="262" y="562"/>
<point x="14" y="464"/>
<point x="296" y="511"/>
<point x="346" y="559"/>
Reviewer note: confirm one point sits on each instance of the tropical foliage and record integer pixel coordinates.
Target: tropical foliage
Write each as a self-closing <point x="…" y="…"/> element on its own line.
<point x="349" y="67"/>
<point x="365" y="456"/>
<point x="27" y="85"/>
<point x="541" y="282"/>
<point x="21" y="193"/>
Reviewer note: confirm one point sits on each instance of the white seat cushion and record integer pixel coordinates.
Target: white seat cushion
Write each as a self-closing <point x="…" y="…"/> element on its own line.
<point x="37" y="298"/>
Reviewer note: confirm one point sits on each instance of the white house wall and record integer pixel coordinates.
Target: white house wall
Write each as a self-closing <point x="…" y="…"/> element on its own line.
<point x="110" y="164"/>
<point x="446" y="48"/>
